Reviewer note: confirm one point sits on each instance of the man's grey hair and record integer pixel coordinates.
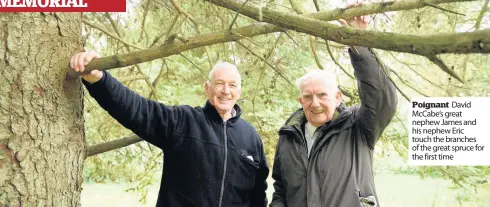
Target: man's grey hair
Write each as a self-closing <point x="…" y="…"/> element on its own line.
<point x="328" y="77"/>
<point x="224" y="65"/>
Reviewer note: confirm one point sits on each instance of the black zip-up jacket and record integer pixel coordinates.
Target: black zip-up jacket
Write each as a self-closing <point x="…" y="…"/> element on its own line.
<point x="207" y="162"/>
<point x="339" y="170"/>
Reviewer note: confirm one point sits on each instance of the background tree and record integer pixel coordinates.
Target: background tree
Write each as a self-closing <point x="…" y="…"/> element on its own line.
<point x="164" y="49"/>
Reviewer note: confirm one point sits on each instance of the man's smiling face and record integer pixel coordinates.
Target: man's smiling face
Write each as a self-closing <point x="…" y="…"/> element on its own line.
<point x="319" y="101"/>
<point x="225" y="89"/>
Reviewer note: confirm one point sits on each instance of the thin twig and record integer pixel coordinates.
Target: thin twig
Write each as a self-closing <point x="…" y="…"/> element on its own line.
<point x="480" y="16"/>
<point x="199" y="68"/>
<point x="327" y="44"/>
<point x="166" y="33"/>
<point x="160" y="73"/>
<point x="183" y="12"/>
<point x="259" y="81"/>
<point x="313" y="51"/>
<point x="385" y="71"/>
<point x="443" y="9"/>
<point x="152" y="89"/>
<point x="417" y="73"/>
<point x="261" y="58"/>
<point x="384" y="14"/>
<point x="317" y="7"/>
<point x="110" y="34"/>
<point x="195" y="24"/>
<point x="407" y="84"/>
<point x="247" y="38"/>
<point x="296" y="43"/>
<point x="444" y="67"/>
<point x="236" y="16"/>
<point x="145" y="13"/>
<point x="114" y="25"/>
<point x="345" y="92"/>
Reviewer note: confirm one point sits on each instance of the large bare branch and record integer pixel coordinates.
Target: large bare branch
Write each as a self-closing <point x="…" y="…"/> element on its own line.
<point x="111" y="145"/>
<point x="175" y="47"/>
<point x="381" y="7"/>
<point x="468" y="42"/>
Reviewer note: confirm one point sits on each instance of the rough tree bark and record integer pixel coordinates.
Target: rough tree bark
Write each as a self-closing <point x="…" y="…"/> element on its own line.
<point x="41" y="113"/>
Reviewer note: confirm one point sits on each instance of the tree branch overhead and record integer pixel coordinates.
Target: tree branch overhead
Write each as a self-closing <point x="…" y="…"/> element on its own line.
<point x="468" y="42"/>
<point x="472" y="42"/>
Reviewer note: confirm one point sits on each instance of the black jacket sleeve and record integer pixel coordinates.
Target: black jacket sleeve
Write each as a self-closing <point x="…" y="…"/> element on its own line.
<point x="259" y="197"/>
<point x="152" y="121"/>
<point x="278" y="197"/>
<point x="377" y="93"/>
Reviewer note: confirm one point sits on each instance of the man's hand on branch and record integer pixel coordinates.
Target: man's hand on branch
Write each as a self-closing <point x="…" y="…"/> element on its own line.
<point x="80" y="60"/>
<point x="359" y="22"/>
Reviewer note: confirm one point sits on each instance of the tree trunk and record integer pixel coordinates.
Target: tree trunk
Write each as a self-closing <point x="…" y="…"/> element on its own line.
<point x="41" y="113"/>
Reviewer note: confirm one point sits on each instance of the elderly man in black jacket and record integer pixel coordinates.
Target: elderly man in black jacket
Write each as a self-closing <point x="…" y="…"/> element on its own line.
<point x="212" y="156"/>
<point x="324" y="157"/>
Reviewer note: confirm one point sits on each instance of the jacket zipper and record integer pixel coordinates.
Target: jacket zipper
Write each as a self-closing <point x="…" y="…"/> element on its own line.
<point x="225" y="138"/>
<point x="298" y="133"/>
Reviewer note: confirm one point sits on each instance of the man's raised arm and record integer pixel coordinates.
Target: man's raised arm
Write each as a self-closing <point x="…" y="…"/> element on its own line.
<point x="152" y="121"/>
<point x="377" y="93"/>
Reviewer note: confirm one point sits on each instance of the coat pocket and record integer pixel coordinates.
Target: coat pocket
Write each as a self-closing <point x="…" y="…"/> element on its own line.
<point x="245" y="172"/>
<point x="249" y="159"/>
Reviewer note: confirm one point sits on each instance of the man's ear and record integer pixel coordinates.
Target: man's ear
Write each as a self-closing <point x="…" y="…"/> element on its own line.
<point x="338" y="98"/>
<point x="206" y="87"/>
<point x="239" y="93"/>
<point x="300" y="100"/>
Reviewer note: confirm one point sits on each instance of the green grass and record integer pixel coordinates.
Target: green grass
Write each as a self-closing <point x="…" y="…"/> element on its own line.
<point x="393" y="191"/>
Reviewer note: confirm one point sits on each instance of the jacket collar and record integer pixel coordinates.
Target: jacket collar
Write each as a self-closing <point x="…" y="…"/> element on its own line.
<point x="213" y="114"/>
<point x="298" y="118"/>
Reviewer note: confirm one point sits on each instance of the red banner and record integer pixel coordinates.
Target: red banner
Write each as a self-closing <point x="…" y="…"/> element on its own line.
<point x="62" y="5"/>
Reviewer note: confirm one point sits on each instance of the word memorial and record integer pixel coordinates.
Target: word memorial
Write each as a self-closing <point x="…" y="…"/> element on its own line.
<point x="449" y="131"/>
<point x="62" y="6"/>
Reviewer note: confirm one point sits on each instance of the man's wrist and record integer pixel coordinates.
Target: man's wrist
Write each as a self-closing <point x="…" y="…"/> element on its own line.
<point x="91" y="80"/>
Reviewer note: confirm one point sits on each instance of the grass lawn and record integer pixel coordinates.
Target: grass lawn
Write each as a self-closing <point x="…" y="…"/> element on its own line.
<point x="393" y="191"/>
